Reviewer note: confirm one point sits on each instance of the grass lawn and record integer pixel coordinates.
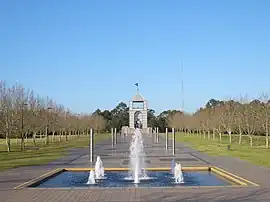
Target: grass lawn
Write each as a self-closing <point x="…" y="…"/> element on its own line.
<point x="43" y="155"/>
<point x="256" y="155"/>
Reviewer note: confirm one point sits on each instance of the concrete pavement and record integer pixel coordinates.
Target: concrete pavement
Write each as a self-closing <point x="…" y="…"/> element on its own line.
<point x="157" y="156"/>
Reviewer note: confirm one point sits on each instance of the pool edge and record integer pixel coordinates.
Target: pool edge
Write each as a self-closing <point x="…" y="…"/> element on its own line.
<point x="40" y="178"/>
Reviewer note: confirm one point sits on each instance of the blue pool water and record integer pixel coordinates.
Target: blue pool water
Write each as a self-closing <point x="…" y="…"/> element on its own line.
<point x="117" y="179"/>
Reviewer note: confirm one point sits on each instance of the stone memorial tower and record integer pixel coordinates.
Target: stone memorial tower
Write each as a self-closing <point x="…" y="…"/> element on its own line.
<point x="138" y="112"/>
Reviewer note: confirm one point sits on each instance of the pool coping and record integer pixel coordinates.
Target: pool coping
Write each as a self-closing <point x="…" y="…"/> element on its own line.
<point x="240" y="182"/>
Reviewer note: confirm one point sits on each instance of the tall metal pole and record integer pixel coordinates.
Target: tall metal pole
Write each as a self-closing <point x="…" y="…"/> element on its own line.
<point x="115" y="137"/>
<point x="157" y="135"/>
<point x="182" y="85"/>
<point x="173" y="141"/>
<point x="91" y="145"/>
<point x="112" y="138"/>
<point x="166" y="139"/>
<point x="152" y="134"/>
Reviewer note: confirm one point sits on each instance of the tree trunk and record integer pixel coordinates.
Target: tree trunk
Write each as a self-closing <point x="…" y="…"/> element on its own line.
<point x="230" y="136"/>
<point x="220" y="137"/>
<point x="208" y="134"/>
<point x="46" y="136"/>
<point x="251" y="140"/>
<point x="66" y="136"/>
<point x="60" y="136"/>
<point x="8" y="137"/>
<point x="267" y="139"/>
<point x="204" y="134"/>
<point x="34" y="139"/>
<point x="53" y="136"/>
<point x="8" y="142"/>
<point x="240" y="135"/>
<point x="22" y="142"/>
<point x="240" y="138"/>
<point x="214" y="136"/>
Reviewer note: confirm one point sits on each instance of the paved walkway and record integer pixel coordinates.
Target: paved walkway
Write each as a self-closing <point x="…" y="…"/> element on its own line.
<point x="157" y="156"/>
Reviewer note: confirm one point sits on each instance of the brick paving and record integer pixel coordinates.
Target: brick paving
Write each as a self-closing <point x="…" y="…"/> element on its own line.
<point x="157" y="156"/>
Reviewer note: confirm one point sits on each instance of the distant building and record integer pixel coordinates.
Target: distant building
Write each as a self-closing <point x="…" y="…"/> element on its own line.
<point x="138" y="112"/>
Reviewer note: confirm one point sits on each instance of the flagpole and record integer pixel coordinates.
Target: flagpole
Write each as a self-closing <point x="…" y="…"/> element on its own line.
<point x="137" y="87"/>
<point x="182" y="85"/>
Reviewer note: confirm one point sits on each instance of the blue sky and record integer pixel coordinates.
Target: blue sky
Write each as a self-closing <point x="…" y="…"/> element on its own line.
<point x="89" y="54"/>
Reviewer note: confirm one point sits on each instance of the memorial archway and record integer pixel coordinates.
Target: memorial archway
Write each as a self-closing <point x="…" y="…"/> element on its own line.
<point x="138" y="119"/>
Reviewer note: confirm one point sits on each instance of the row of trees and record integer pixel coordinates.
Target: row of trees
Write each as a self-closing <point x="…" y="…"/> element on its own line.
<point x="239" y="117"/>
<point x="24" y="114"/>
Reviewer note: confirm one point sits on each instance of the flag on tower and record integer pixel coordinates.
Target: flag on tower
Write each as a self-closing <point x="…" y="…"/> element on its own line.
<point x="137" y="85"/>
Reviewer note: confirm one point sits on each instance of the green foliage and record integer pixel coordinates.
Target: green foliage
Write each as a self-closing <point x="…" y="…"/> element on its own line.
<point x="151" y="118"/>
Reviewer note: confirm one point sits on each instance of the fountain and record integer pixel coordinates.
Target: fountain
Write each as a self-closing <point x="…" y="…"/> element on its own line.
<point x="136" y="168"/>
<point x="178" y="175"/>
<point x="172" y="166"/>
<point x="91" y="178"/>
<point x="137" y="175"/>
<point x="99" y="169"/>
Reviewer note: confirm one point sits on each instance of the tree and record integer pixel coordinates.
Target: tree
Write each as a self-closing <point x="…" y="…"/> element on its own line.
<point x="6" y="113"/>
<point x="265" y="117"/>
<point x="250" y="118"/>
<point x="240" y="117"/>
<point x="21" y="96"/>
<point x="99" y="123"/>
<point x="97" y="112"/>
<point x="228" y="117"/>
<point x="218" y="120"/>
<point x="205" y="122"/>
<point x="151" y="119"/>
<point x="107" y="115"/>
<point x="161" y="123"/>
<point x="120" y="116"/>
<point x="212" y="103"/>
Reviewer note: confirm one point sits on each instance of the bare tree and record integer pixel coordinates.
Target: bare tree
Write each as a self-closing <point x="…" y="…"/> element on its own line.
<point x="21" y="96"/>
<point x="197" y="123"/>
<point x="240" y="117"/>
<point x="265" y="117"/>
<point x="6" y="113"/>
<point x="99" y="123"/>
<point x="48" y="117"/>
<point x="24" y="114"/>
<point x="173" y="121"/>
<point x="35" y="116"/>
<point x="217" y="121"/>
<point x="205" y="123"/>
<point x="228" y="117"/>
<point x="250" y="118"/>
